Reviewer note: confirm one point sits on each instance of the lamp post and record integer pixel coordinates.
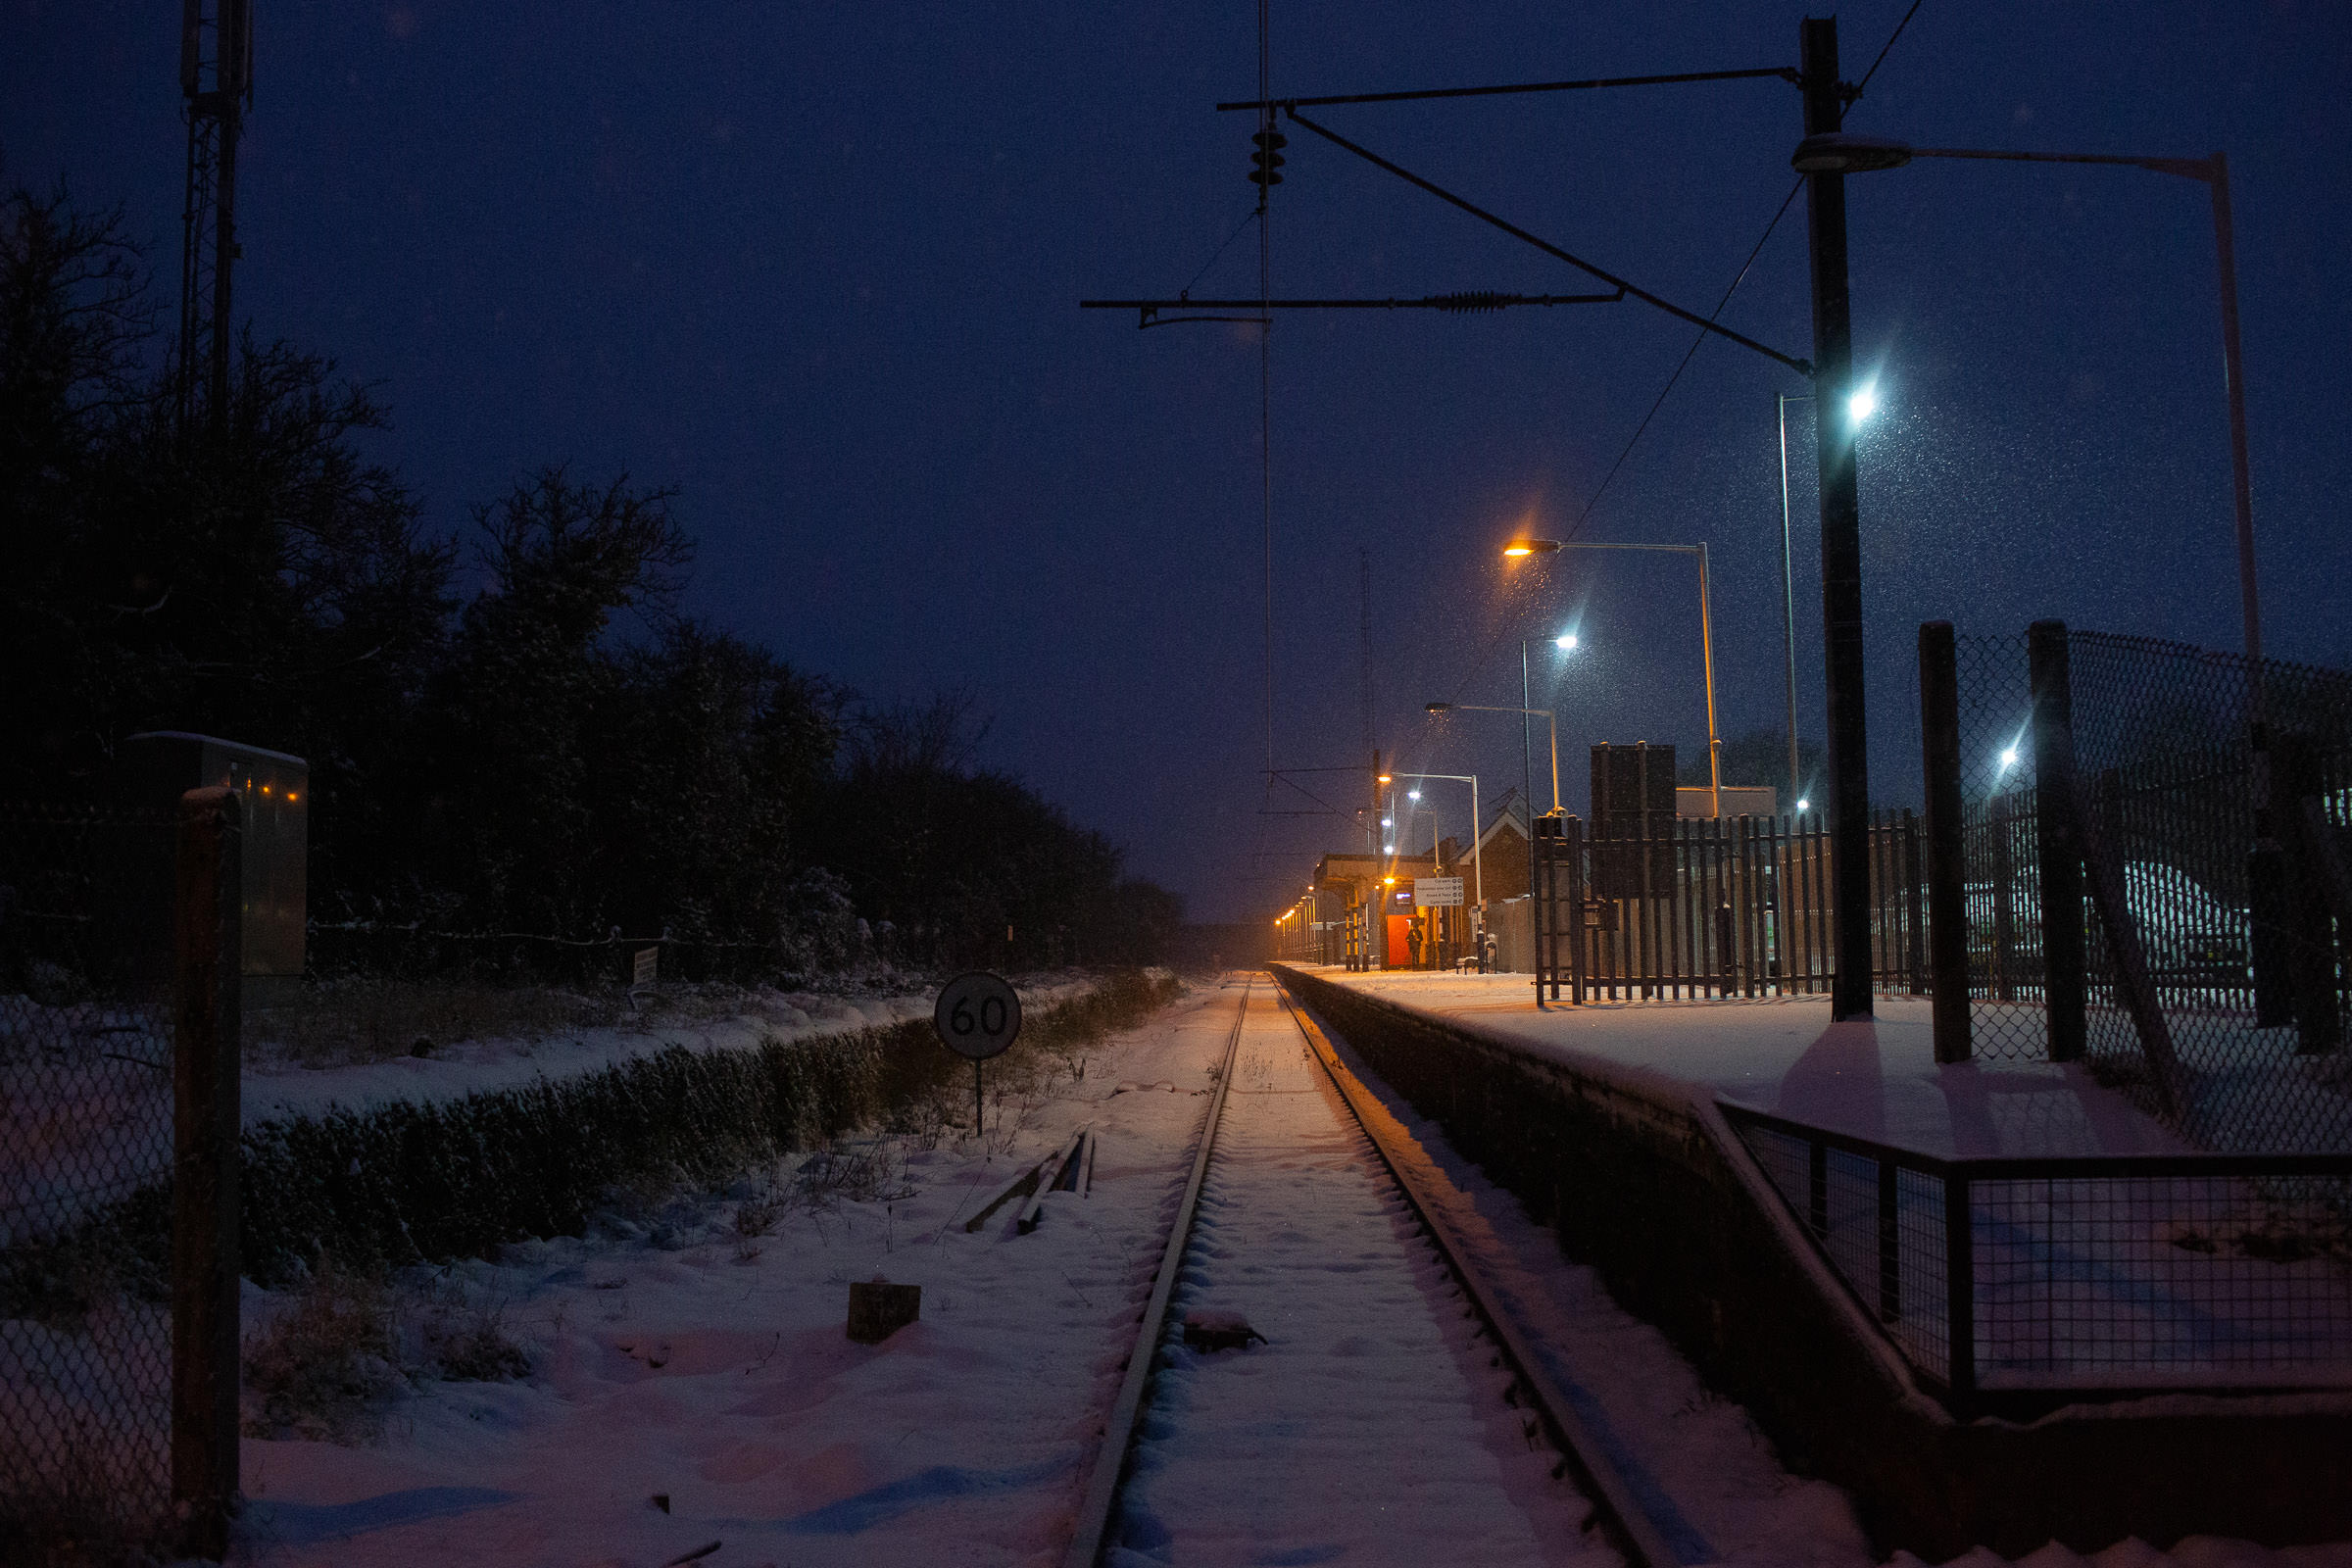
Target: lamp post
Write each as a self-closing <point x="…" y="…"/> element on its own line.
<point x="1530" y="785"/>
<point x="1833" y="153"/>
<point x="1832" y="371"/>
<point x="1522" y="547"/>
<point x="1788" y="593"/>
<point x="1566" y="643"/>
<point x="1478" y="874"/>
<point x="1543" y="713"/>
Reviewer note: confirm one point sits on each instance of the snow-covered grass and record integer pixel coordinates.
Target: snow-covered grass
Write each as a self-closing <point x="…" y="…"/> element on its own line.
<point x="315" y="1054"/>
<point x="430" y="1177"/>
<point x="691" y="1380"/>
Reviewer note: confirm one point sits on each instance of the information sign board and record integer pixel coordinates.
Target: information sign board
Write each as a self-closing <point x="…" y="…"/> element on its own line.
<point x="1437" y="893"/>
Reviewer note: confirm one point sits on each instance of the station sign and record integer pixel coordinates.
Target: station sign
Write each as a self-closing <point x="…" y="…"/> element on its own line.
<point x="1437" y="893"/>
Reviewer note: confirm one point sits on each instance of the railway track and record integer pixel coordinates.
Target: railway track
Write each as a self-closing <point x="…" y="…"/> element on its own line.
<point x="1289" y="1171"/>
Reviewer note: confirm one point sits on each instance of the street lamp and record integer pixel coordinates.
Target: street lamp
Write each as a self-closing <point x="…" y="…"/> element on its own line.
<point x="1523" y="546"/>
<point x="1543" y="713"/>
<point x="1837" y="153"/>
<point x="1478" y="874"/>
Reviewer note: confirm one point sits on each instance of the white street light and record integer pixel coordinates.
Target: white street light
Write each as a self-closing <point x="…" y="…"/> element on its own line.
<point x="1840" y="153"/>
<point x="1863" y="404"/>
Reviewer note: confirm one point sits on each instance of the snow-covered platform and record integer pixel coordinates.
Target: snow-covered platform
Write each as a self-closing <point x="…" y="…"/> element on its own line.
<point x="2134" y="1328"/>
<point x="1871" y="1078"/>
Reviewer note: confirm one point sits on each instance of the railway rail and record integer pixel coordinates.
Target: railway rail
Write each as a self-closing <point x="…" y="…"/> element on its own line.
<point x="1616" y="1508"/>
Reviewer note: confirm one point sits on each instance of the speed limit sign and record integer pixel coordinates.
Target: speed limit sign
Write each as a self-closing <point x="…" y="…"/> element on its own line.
<point x="978" y="1014"/>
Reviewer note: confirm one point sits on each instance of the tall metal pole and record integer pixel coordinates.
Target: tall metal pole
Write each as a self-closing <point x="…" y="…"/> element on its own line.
<point x="1527" y="771"/>
<point x="1706" y="639"/>
<point x="1553" y="719"/>
<point x="1788" y="598"/>
<point x="2241" y="480"/>
<point x="1478" y="871"/>
<point x="1841" y="533"/>
<point x="216" y="76"/>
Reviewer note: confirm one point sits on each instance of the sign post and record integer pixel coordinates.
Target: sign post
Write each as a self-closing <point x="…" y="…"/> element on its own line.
<point x="978" y="1015"/>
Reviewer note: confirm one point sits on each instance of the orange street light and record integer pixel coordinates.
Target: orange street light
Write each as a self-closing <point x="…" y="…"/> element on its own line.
<point x="1531" y="546"/>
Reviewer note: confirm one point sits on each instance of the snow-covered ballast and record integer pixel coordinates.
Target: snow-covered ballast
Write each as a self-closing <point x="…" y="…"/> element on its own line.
<point x="1643" y="1177"/>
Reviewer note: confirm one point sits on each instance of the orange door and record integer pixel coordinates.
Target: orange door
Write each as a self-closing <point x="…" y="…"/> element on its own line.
<point x="1400" y="952"/>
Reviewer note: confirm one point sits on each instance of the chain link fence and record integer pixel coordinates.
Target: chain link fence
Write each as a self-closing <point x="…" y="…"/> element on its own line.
<point x="2162" y="742"/>
<point x="85" y="1180"/>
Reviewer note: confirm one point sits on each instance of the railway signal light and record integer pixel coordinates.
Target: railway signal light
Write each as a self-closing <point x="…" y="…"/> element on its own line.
<point x="1267" y="158"/>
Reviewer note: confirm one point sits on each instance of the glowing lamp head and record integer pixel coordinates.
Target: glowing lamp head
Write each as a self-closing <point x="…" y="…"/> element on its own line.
<point x="1524" y="546"/>
<point x="2009" y="757"/>
<point x="1803" y="804"/>
<point x="1387" y="779"/>
<point x="1863" y="404"/>
<point x="1565" y="643"/>
<point x="1413" y="795"/>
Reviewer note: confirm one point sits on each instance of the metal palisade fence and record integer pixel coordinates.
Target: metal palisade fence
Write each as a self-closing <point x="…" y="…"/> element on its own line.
<point x="2150" y="890"/>
<point x="117" y="1326"/>
<point x="1729" y="906"/>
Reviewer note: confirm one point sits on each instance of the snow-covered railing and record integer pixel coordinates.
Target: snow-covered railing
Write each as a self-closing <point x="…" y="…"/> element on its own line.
<point x="2094" y="1274"/>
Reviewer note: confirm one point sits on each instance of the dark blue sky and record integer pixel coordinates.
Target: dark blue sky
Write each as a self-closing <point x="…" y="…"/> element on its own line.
<point x="819" y="269"/>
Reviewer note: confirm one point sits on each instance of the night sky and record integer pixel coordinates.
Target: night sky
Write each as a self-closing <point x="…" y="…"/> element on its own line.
<point x="818" y="267"/>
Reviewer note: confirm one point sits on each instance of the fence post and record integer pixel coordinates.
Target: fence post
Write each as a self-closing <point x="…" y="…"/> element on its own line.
<point x="1578" y="942"/>
<point x="1915" y="948"/>
<point x="1960" y="1290"/>
<point x="207" y="1057"/>
<point x="1948" y="868"/>
<point x="1541" y="908"/>
<point x="2061" y="850"/>
<point x="2309" y="926"/>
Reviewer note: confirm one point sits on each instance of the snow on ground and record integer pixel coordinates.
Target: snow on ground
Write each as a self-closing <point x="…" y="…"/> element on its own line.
<point x="679" y="1361"/>
<point x="274" y="1089"/>
<point x="1371" y="1426"/>
<point x="1874" y="1078"/>
<point x="674" y="1359"/>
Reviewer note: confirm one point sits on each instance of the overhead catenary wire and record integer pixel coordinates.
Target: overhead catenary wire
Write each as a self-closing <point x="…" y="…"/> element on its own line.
<point x="1705" y="324"/>
<point x="1488" y="652"/>
<point x="1479" y="662"/>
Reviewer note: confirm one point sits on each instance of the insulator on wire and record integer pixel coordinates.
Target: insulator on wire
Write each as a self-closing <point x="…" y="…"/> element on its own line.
<point x="1475" y="302"/>
<point x="1268" y="158"/>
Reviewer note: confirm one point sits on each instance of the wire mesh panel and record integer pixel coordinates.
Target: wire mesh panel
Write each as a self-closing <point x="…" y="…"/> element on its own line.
<point x="85" y="1171"/>
<point x="2162" y="748"/>
<point x="2163" y="742"/>
<point x="1891" y="1254"/>
<point x="2162" y="1279"/>
<point x="2002" y="886"/>
<point x="2092" y="1274"/>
